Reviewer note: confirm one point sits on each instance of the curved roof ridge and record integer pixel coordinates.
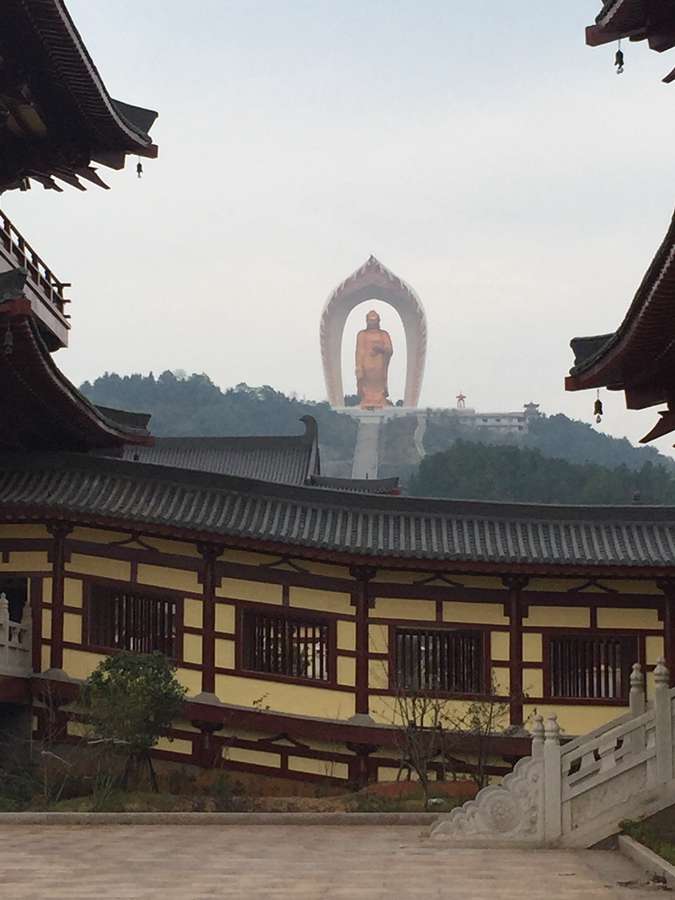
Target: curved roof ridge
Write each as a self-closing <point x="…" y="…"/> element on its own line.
<point x="120" y="494"/>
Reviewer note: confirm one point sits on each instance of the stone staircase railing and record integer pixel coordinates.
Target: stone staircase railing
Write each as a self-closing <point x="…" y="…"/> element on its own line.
<point x="15" y="641"/>
<point x="575" y="794"/>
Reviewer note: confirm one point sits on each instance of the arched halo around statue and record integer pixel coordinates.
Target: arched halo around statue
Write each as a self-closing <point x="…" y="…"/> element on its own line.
<point x="373" y="281"/>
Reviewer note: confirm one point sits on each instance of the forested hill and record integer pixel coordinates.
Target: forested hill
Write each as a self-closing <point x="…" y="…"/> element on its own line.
<point x="194" y="405"/>
<point x="556" y="435"/>
<point x="471" y="471"/>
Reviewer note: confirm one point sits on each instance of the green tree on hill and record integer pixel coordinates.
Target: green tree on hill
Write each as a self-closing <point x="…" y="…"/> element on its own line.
<point x="468" y="470"/>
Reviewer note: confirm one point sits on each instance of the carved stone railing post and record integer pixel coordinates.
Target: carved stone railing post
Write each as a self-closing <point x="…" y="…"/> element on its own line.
<point x="663" y="719"/>
<point x="552" y="780"/>
<point x="537" y="732"/>
<point x="636" y="700"/>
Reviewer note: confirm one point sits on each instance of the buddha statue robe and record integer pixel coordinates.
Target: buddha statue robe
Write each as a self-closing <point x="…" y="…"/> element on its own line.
<point x="373" y="352"/>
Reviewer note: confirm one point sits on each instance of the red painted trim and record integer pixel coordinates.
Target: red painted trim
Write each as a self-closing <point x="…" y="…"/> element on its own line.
<point x="58" y="554"/>
<point x="210" y="553"/>
<point x="36" y="589"/>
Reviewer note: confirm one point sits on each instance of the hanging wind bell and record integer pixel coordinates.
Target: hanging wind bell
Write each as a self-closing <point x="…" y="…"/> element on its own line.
<point x="139" y="168"/>
<point x="597" y="408"/>
<point x="618" y="59"/>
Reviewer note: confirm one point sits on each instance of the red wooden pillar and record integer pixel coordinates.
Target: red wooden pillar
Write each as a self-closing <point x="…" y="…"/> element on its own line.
<point x="210" y="554"/>
<point x="514" y="610"/>
<point x="361" y="601"/>
<point x="36" y="588"/>
<point x="59" y="532"/>
<point x="668" y="589"/>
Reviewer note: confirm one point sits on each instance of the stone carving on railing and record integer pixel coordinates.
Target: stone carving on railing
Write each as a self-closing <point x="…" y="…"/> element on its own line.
<point x="577" y="793"/>
<point x="15" y="641"/>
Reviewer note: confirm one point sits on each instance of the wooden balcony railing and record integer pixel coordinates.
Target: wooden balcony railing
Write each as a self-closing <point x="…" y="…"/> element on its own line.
<point x="23" y="256"/>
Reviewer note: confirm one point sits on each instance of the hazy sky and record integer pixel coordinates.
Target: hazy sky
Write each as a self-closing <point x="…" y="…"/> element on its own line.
<point x="479" y="150"/>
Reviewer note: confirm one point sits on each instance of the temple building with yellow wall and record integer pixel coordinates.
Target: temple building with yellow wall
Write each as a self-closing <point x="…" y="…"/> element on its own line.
<point x="296" y="608"/>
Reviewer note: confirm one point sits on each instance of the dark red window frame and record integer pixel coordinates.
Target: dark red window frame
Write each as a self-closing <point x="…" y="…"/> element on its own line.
<point x="287" y="645"/>
<point x="440" y="660"/>
<point x="590" y="666"/>
<point x="118" y="618"/>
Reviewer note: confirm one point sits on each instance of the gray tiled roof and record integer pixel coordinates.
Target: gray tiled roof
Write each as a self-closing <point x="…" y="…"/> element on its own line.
<point x="107" y="491"/>
<point x="284" y="460"/>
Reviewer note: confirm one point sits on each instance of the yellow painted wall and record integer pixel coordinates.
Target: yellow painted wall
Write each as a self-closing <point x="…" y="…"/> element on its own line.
<point x="80" y="663"/>
<point x="346" y="635"/>
<point x="318" y="767"/>
<point x="533" y="682"/>
<point x="83" y="564"/>
<point x="191" y="679"/>
<point x="225" y="617"/>
<point x="289" y="698"/>
<point x="174" y="745"/>
<point x="558" y="617"/>
<point x="326" y="601"/>
<point x="653" y="649"/>
<point x="72" y="592"/>
<point x="26" y="561"/>
<point x="325" y="569"/>
<point x="174" y="579"/>
<point x="72" y="628"/>
<point x="46" y="623"/>
<point x="175" y="548"/>
<point x="253" y="757"/>
<point x="378" y="638"/>
<point x="224" y="653"/>
<point x="98" y="535"/>
<point x="46" y="590"/>
<point x="501" y="679"/>
<point x="24" y="532"/>
<point x="192" y="648"/>
<point x="378" y="674"/>
<point x="532" y="647"/>
<point x="575" y="720"/>
<point x="385" y="709"/>
<point x="395" y="608"/>
<point x="499" y="645"/>
<point x="346" y="670"/>
<point x="628" y="618"/>
<point x="192" y="612"/>
<point x="259" y="591"/>
<point x="244" y="558"/>
<point x="476" y="613"/>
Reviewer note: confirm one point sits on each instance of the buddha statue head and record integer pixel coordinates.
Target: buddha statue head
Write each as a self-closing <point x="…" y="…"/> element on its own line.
<point x="372" y="320"/>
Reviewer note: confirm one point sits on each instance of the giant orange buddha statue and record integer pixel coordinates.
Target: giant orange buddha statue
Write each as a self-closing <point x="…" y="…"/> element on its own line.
<point x="373" y="352"/>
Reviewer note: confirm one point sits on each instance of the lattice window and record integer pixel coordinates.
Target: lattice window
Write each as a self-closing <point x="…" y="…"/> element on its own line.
<point x="592" y="668"/>
<point x="286" y="645"/>
<point x="122" y="620"/>
<point x="446" y="661"/>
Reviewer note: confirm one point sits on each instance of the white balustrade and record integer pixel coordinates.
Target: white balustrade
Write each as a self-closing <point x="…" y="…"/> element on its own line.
<point x="576" y="793"/>
<point x="15" y="641"/>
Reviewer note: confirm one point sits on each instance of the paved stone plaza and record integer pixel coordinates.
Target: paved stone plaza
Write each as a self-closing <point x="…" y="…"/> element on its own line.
<point x="256" y="862"/>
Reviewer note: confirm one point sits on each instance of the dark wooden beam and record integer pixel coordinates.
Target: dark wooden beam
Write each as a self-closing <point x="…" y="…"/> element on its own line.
<point x="59" y="532"/>
<point x="515" y="585"/>
<point x="361" y="601"/>
<point x="210" y="553"/>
